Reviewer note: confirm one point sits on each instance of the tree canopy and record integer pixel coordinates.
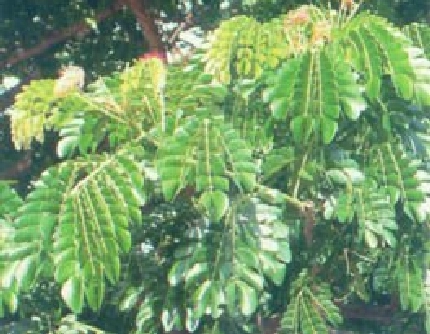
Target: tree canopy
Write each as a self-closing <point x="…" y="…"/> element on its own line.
<point x="273" y="178"/>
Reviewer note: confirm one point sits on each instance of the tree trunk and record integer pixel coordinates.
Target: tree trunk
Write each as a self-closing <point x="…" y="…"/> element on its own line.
<point x="147" y="23"/>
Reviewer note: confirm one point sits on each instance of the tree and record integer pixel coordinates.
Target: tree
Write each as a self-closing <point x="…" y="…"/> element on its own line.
<point x="102" y="36"/>
<point x="281" y="171"/>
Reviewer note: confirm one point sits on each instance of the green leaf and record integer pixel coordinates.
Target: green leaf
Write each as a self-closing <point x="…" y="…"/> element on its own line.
<point x="131" y="299"/>
<point x="191" y="320"/>
<point x="11" y="300"/>
<point x="202" y="298"/>
<point x="371" y="239"/>
<point x="284" y="253"/>
<point x="279" y="108"/>
<point x="217" y="299"/>
<point x="329" y="129"/>
<point x="197" y="270"/>
<point x="94" y="293"/>
<point x="276" y="160"/>
<point x="272" y="267"/>
<point x="112" y="267"/>
<point x="146" y="319"/>
<point x="369" y="59"/>
<point x="25" y="272"/>
<point x="74" y="226"/>
<point x="337" y="176"/>
<point x="231" y="296"/>
<point x="169" y="318"/>
<point x="409" y="277"/>
<point x="176" y="273"/>
<point x="207" y="154"/>
<point x="72" y="292"/>
<point x="310" y="308"/>
<point x="70" y="138"/>
<point x="281" y="92"/>
<point x="32" y="113"/>
<point x="246" y="256"/>
<point x="248" y="275"/>
<point x="247" y="298"/>
<point x="216" y="204"/>
<point x="302" y="126"/>
<point x="392" y="167"/>
<point x="9" y="199"/>
<point x="394" y="48"/>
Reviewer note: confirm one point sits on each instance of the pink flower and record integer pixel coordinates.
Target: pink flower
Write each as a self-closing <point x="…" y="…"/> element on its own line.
<point x="154" y="54"/>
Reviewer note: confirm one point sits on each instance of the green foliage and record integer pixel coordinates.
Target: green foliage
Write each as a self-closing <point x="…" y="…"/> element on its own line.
<point x="367" y="206"/>
<point x="32" y="112"/>
<point x="230" y="267"/>
<point x="76" y="219"/>
<point x="244" y="47"/>
<point x="420" y="36"/>
<point x="409" y="275"/>
<point x="310" y="86"/>
<point x="400" y="177"/>
<point x="207" y="164"/>
<point x="290" y="159"/>
<point x="10" y="203"/>
<point x="379" y="48"/>
<point x="426" y="302"/>
<point x="310" y="308"/>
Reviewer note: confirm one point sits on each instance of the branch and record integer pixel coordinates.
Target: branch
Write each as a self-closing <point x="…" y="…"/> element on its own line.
<point x="18" y="168"/>
<point x="143" y="17"/>
<point x="147" y="23"/>
<point x="80" y="28"/>
<point x="274" y="196"/>
<point x="384" y="314"/>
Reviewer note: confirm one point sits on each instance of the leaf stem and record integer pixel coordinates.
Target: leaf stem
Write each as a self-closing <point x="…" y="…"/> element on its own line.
<point x="302" y="166"/>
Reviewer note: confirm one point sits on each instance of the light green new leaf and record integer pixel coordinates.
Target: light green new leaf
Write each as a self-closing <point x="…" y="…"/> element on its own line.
<point x="245" y="45"/>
